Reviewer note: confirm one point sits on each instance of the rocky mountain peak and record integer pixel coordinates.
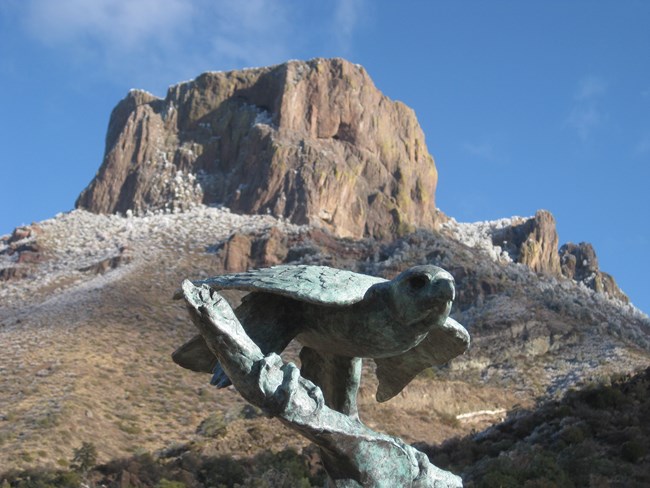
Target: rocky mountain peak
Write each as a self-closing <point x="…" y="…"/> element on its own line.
<point x="579" y="262"/>
<point x="313" y="142"/>
<point x="533" y="242"/>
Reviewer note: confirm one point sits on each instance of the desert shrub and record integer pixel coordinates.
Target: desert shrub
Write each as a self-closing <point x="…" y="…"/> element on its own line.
<point x="165" y="483"/>
<point x="498" y="479"/>
<point x="495" y="473"/>
<point x="182" y="467"/>
<point x="523" y="425"/>
<point x="602" y="397"/>
<point x="249" y="411"/>
<point x="573" y="434"/>
<point x="286" y="469"/>
<point x="462" y="452"/>
<point x="593" y="437"/>
<point x="191" y="462"/>
<point x="633" y="450"/>
<point x="213" y="426"/>
<point x="448" y="419"/>
<point x="222" y="472"/>
<point x="578" y="461"/>
<point x="42" y="478"/>
<point x="146" y="468"/>
<point x="544" y="468"/>
<point x="142" y="469"/>
<point x="85" y="457"/>
<point x="129" y="428"/>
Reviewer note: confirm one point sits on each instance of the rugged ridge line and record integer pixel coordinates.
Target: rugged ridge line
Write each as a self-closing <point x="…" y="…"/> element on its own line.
<point x="313" y="142"/>
<point x="534" y="242"/>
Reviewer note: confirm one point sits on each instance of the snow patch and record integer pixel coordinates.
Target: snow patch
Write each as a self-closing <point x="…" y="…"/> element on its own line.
<point x="263" y="117"/>
<point x="478" y="235"/>
<point x="79" y="239"/>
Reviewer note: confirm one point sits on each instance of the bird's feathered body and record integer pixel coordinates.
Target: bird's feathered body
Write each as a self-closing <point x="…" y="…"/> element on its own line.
<point x="339" y="316"/>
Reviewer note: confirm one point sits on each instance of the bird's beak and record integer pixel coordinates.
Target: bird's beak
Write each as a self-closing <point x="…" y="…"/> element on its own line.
<point x="442" y="286"/>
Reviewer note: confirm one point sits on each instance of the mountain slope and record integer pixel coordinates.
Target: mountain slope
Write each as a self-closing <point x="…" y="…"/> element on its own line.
<point x="87" y="354"/>
<point x="87" y="323"/>
<point x="596" y="436"/>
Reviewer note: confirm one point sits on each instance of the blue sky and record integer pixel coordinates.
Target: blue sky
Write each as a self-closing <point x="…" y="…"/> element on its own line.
<point x="525" y="105"/>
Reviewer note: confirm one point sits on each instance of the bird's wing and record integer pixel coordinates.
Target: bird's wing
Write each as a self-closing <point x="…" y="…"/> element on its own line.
<point x="439" y="346"/>
<point x="269" y="320"/>
<point x="313" y="284"/>
<point x="195" y="356"/>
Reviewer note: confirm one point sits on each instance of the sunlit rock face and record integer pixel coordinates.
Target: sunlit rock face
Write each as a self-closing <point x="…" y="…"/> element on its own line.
<point x="313" y="142"/>
<point x="579" y="262"/>
<point x="533" y="242"/>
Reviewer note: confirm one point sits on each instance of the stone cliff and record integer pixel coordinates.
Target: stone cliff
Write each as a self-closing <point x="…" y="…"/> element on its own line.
<point x="579" y="262"/>
<point x="313" y="142"/>
<point x="534" y="242"/>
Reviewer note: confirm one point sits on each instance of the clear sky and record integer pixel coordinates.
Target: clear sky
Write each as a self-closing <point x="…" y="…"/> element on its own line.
<point x="525" y="105"/>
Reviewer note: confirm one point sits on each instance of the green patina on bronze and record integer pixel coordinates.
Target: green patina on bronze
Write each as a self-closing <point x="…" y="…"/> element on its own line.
<point x="339" y="317"/>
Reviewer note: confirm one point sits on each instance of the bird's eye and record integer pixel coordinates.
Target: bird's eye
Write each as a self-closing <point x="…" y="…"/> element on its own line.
<point x="418" y="282"/>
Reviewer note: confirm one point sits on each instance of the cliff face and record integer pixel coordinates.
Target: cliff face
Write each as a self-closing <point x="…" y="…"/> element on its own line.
<point x="314" y="142"/>
<point x="579" y="262"/>
<point x="534" y="242"/>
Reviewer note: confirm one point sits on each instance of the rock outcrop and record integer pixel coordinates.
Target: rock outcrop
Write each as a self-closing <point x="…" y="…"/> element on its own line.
<point x="533" y="242"/>
<point x="19" y="253"/>
<point x="579" y="263"/>
<point x="313" y="142"/>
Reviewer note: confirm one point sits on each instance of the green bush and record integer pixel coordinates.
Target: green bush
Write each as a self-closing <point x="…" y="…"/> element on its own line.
<point x="633" y="450"/>
<point x="573" y="434"/>
<point x="286" y="469"/>
<point x="499" y="474"/>
<point x="222" y="472"/>
<point x="85" y="457"/>
<point x="603" y="397"/>
<point x="42" y="478"/>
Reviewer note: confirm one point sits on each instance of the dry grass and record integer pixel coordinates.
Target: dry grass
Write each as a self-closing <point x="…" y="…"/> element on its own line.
<point x="86" y="358"/>
<point x="425" y="411"/>
<point x="95" y="366"/>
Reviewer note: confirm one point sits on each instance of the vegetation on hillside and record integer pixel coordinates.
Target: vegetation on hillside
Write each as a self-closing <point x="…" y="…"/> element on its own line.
<point x="180" y="467"/>
<point x="596" y="436"/>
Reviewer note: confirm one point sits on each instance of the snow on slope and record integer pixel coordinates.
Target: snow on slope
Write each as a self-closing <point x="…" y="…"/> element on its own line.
<point x="478" y="235"/>
<point x="75" y="241"/>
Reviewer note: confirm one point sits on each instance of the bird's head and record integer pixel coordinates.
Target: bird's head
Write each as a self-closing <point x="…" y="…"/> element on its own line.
<point x="423" y="293"/>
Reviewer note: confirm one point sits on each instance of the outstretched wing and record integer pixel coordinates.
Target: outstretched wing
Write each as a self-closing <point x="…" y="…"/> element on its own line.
<point x="195" y="356"/>
<point x="313" y="284"/>
<point x="439" y="346"/>
<point x="269" y="320"/>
